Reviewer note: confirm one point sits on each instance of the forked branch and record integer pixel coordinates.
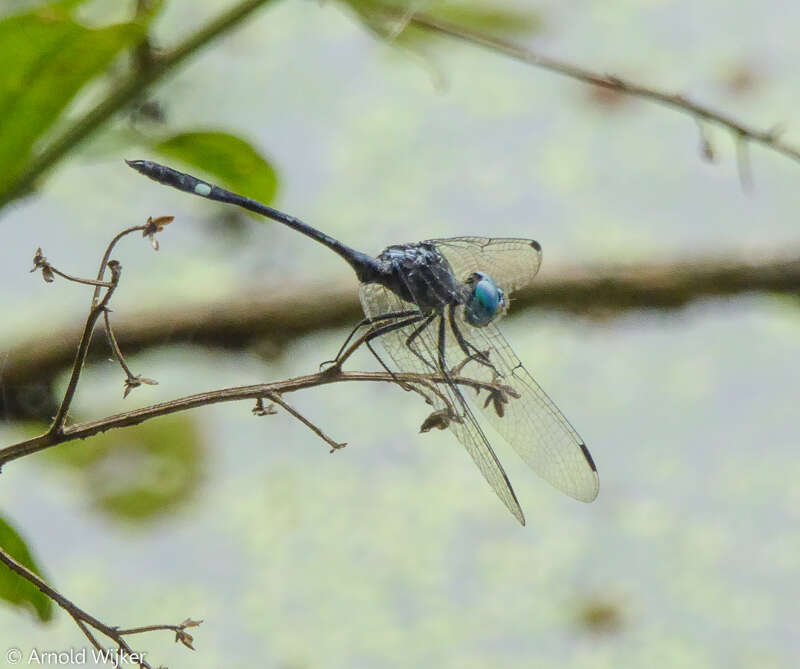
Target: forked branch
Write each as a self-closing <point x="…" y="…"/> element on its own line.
<point x="92" y="627"/>
<point x="427" y="385"/>
<point x="235" y="394"/>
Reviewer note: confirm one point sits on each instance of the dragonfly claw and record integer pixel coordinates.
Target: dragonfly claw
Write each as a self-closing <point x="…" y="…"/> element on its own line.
<point x="334" y="367"/>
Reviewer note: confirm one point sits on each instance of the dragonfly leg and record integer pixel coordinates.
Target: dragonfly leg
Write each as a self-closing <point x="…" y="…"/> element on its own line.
<point x="475" y="353"/>
<point x="361" y="324"/>
<point x="442" y="335"/>
<point x="416" y="334"/>
<point x="386" y="329"/>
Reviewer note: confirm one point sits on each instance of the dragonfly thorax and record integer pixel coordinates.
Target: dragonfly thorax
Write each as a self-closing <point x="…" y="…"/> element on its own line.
<point x="420" y="274"/>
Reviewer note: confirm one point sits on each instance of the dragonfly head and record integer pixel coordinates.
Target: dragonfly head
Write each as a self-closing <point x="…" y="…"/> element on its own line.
<point x="485" y="300"/>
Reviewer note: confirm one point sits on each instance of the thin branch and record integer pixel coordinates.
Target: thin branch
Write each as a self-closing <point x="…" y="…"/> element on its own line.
<point x="95" y="311"/>
<point x="107" y="254"/>
<point x="155" y="628"/>
<point x="768" y="138"/>
<point x="76" y="279"/>
<point x="88" y="624"/>
<point x="48" y="271"/>
<point x="137" y="416"/>
<point x="127" y="91"/>
<point x="335" y="445"/>
<point x="112" y="340"/>
<point x="88" y="633"/>
<point x="144" y="77"/>
<point x="83" y="348"/>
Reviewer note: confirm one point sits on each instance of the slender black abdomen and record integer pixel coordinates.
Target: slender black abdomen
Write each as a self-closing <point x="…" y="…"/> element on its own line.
<point x="366" y="267"/>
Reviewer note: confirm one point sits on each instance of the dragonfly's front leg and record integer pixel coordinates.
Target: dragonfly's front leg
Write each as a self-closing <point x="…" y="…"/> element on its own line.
<point x="340" y="358"/>
<point x="386" y="329"/>
<point x="416" y="334"/>
<point x="470" y="350"/>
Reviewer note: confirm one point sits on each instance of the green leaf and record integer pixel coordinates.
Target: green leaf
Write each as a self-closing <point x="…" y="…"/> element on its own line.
<point x="392" y="19"/>
<point x="141" y="472"/>
<point x="488" y="17"/>
<point x="227" y="158"/>
<point x="15" y="589"/>
<point x="47" y="58"/>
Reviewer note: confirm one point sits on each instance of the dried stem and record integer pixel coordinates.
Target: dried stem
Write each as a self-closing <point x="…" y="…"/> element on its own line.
<point x="136" y="416"/>
<point x="97" y="309"/>
<point x="769" y="138"/>
<point x="75" y="279"/>
<point x="105" y="259"/>
<point x="112" y="340"/>
<point x="152" y="68"/>
<point x="87" y="623"/>
<point x="83" y="348"/>
<point x="335" y="445"/>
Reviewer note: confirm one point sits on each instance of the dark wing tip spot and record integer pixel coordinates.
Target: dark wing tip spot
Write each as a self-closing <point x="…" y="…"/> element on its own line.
<point x="536" y="245"/>
<point x="588" y="457"/>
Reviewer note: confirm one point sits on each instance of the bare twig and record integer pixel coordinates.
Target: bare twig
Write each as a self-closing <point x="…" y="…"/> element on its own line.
<point x="153" y="67"/>
<point x="48" y="271"/>
<point x="137" y="416"/>
<point x="769" y="138"/>
<point x="100" y="307"/>
<point x="83" y="348"/>
<point x="89" y="625"/>
<point x="335" y="445"/>
<point x="112" y="340"/>
<point x="104" y="261"/>
<point x="131" y="380"/>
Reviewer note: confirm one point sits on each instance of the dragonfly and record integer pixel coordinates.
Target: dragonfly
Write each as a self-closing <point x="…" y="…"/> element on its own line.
<point x="433" y="307"/>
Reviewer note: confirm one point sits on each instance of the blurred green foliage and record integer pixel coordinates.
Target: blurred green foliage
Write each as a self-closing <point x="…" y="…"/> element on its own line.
<point x="47" y="58"/>
<point x="390" y="18"/>
<point x="139" y="473"/>
<point x="13" y="588"/>
<point x="50" y="58"/>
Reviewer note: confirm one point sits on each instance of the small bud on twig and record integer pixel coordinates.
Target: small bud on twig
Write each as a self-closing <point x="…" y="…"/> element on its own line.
<point x="183" y="636"/>
<point x="135" y="381"/>
<point x="40" y="262"/>
<point x="154" y="226"/>
<point x="260" y="410"/>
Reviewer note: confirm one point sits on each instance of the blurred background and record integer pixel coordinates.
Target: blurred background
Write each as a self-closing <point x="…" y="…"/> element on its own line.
<point x="394" y="551"/>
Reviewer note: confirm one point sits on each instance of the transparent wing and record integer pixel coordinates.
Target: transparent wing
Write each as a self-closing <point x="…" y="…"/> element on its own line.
<point x="377" y="300"/>
<point x="511" y="262"/>
<point x="524" y="415"/>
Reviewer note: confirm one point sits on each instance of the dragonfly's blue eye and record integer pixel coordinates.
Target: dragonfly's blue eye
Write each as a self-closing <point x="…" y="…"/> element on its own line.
<point x="484" y="302"/>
